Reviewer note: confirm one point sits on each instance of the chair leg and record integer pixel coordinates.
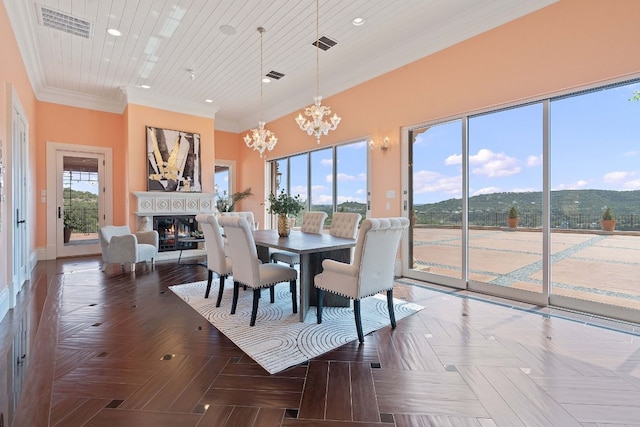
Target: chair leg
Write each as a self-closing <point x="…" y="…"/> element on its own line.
<point x="272" y="293"/>
<point x="294" y="296"/>
<point x="319" y="305"/>
<point x="209" y="280"/>
<point x="392" y="314"/>
<point x="356" y="311"/>
<point x="254" y="310"/>
<point x="222" y="279"/>
<point x="234" y="303"/>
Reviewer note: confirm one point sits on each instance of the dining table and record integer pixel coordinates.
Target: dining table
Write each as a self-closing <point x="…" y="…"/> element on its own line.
<point x="313" y="249"/>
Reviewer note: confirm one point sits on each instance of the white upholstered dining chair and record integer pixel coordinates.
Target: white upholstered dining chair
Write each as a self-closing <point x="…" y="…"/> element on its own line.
<point x="247" y="268"/>
<point x="370" y="271"/>
<point x="345" y="224"/>
<point x="217" y="260"/>
<point x="247" y="215"/>
<point x="312" y="222"/>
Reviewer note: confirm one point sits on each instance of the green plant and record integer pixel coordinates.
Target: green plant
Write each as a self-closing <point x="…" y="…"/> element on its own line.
<point x="606" y="215"/>
<point x="285" y="204"/>
<point x="72" y="220"/>
<point x="513" y="212"/>
<point x="228" y="204"/>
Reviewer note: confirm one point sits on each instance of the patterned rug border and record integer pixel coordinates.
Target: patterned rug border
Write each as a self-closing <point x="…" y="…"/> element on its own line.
<point x="279" y="340"/>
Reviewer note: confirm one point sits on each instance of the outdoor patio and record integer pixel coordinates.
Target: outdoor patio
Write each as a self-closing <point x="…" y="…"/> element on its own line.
<point x="593" y="266"/>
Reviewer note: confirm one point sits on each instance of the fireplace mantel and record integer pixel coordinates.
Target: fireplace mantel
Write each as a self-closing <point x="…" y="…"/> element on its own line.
<point x="154" y="203"/>
<point x="157" y="203"/>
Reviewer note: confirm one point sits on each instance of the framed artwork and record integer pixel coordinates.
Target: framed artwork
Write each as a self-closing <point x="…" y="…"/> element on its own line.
<point x="173" y="160"/>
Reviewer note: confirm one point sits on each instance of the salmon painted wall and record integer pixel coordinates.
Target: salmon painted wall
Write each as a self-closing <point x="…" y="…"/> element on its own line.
<point x="79" y="126"/>
<point x="13" y="74"/>
<point x="567" y="45"/>
<point x="137" y="118"/>
<point x="249" y="171"/>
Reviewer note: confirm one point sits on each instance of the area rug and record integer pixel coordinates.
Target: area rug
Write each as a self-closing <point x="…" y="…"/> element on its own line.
<point x="279" y="340"/>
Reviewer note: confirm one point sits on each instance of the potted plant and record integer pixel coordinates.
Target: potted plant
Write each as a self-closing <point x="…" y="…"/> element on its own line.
<point x="71" y="222"/>
<point x="512" y="219"/>
<point x="228" y="204"/>
<point x="607" y="223"/>
<point x="284" y="205"/>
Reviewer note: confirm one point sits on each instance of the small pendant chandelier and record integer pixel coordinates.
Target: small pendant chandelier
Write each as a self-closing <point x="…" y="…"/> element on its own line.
<point x="260" y="139"/>
<point x="316" y="125"/>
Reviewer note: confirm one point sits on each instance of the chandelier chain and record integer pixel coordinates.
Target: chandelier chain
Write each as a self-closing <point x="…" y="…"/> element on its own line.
<point x="315" y="124"/>
<point x="260" y="139"/>
<point x="317" y="48"/>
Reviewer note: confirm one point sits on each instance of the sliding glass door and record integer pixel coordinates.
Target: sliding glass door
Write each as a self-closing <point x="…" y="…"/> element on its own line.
<point x="556" y="168"/>
<point x="505" y="180"/>
<point x="436" y="204"/>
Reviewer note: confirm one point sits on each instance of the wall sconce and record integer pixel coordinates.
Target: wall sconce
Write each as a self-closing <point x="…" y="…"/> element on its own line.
<point x="384" y="145"/>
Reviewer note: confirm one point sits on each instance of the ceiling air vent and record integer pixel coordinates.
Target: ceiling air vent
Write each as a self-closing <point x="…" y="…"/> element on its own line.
<point x="325" y="43"/>
<point x="275" y="75"/>
<point x="63" y="22"/>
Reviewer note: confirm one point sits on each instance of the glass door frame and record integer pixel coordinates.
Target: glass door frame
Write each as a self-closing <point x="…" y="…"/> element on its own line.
<point x="50" y="196"/>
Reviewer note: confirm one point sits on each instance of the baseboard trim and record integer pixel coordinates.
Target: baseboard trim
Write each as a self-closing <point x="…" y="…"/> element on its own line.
<point x="4" y="303"/>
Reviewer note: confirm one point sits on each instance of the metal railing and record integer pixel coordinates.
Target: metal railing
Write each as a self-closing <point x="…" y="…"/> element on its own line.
<point x="628" y="222"/>
<point x="82" y="220"/>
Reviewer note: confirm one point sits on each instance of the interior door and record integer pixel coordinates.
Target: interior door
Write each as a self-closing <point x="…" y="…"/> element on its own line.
<point x="80" y="196"/>
<point x="18" y="218"/>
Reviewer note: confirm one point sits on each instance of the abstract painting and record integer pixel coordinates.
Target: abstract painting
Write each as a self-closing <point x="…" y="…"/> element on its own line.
<point x="173" y="159"/>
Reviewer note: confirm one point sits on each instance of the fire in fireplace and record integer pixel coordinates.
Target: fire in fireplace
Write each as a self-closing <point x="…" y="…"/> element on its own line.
<point x="173" y="228"/>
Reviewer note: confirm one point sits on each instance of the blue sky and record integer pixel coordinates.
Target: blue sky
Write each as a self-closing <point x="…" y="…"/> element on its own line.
<point x="595" y="144"/>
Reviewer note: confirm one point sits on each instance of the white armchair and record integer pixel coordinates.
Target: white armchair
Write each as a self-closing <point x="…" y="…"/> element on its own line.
<point x="370" y="271"/>
<point x="120" y="246"/>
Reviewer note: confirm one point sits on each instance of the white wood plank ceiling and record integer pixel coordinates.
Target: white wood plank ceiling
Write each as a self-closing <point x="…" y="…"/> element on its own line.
<point x="163" y="39"/>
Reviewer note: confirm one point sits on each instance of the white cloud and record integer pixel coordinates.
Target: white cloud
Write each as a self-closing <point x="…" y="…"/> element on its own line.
<point x="631" y="153"/>
<point x="299" y="189"/>
<point x="454" y="159"/>
<point x="534" y="161"/>
<point x="487" y="190"/>
<point x="572" y="185"/>
<point x="326" y="162"/>
<point x="494" y="164"/>
<point x="322" y="199"/>
<point x="523" y="190"/>
<point x="617" y="176"/>
<point x="632" y="185"/>
<point x="343" y="177"/>
<point x="431" y="182"/>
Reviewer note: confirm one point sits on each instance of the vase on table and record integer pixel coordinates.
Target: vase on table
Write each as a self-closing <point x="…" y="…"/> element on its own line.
<point x="284" y="228"/>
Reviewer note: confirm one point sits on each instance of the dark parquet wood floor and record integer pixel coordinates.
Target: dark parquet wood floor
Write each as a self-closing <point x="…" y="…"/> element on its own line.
<point x="123" y="350"/>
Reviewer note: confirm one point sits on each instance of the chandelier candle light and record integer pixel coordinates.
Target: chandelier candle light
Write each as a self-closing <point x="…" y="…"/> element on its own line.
<point x="260" y="139"/>
<point x="316" y="125"/>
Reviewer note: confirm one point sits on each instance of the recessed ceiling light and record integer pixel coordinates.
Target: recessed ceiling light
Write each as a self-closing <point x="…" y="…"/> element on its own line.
<point x="114" y="32"/>
<point x="145" y="86"/>
<point x="208" y="101"/>
<point x="357" y="21"/>
<point x="227" y="29"/>
<point x="266" y="80"/>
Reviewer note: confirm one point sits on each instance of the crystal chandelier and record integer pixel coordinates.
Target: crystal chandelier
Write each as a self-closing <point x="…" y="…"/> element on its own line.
<point x="260" y="139"/>
<point x="315" y="124"/>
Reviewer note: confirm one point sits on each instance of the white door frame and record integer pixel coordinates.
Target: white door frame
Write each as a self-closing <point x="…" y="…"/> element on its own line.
<point x="51" y="195"/>
<point x="18" y="237"/>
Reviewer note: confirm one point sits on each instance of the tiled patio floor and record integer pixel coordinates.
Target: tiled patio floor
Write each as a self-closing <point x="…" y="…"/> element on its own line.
<point x="591" y="266"/>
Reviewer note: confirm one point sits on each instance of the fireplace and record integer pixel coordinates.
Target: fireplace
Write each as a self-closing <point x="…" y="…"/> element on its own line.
<point x="172" y="228"/>
<point x="172" y="214"/>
